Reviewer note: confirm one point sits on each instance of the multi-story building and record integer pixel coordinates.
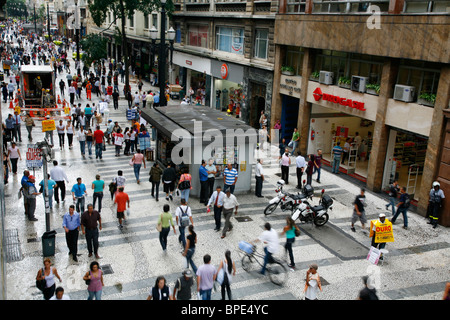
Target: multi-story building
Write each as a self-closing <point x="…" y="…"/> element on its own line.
<point x="382" y="72"/>
<point x="224" y="51"/>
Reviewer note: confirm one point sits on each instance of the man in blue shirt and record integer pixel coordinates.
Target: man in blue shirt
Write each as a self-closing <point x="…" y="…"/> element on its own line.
<point x="402" y="207"/>
<point x="230" y="176"/>
<point x="337" y="152"/>
<point x="9" y="123"/>
<point x="156" y="100"/>
<point x="71" y="224"/>
<point x="203" y="173"/>
<point x="78" y="193"/>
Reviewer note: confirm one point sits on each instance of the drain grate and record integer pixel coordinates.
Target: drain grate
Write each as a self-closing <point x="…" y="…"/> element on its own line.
<point x="13" y="250"/>
<point x="243" y="219"/>
<point x="107" y="269"/>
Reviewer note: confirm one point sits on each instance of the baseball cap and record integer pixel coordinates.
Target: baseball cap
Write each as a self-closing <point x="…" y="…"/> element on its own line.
<point x="187" y="273"/>
<point x="381" y="215"/>
<point x="31" y="177"/>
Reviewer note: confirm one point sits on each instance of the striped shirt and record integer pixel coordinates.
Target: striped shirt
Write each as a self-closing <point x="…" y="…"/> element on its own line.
<point x="337" y="151"/>
<point x="230" y="175"/>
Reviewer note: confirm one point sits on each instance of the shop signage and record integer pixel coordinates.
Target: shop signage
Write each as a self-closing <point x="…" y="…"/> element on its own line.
<point x="318" y="94"/>
<point x="224" y="71"/>
<point x="290" y="85"/>
<point x="33" y="157"/>
<point x="188" y="62"/>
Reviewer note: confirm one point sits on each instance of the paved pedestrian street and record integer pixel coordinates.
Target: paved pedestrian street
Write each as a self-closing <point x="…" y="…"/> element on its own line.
<point x="416" y="267"/>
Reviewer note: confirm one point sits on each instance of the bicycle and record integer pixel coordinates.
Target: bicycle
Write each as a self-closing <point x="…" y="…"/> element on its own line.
<point x="276" y="270"/>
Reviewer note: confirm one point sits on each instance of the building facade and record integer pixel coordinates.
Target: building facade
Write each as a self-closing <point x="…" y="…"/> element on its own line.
<point x="225" y="52"/>
<point x="347" y="69"/>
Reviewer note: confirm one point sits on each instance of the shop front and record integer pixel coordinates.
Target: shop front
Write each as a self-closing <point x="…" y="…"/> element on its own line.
<point x="193" y="72"/>
<point x="227" y="87"/>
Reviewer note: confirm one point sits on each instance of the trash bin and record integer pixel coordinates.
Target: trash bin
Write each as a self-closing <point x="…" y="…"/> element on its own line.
<point x="48" y="243"/>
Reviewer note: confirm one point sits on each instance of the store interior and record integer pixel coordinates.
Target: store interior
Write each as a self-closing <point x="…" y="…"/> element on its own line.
<point x="225" y="93"/>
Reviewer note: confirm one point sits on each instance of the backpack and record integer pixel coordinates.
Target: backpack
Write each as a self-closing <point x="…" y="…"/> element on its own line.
<point x="184" y="219"/>
<point x="186" y="184"/>
<point x="407" y="201"/>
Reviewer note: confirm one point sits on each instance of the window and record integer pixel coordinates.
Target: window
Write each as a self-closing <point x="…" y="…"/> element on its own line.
<point x="295" y="6"/>
<point x="155" y="20"/>
<point x="177" y="33"/>
<point x="261" y="43"/>
<point x="425" y="6"/>
<point x="198" y="36"/>
<point x="132" y="21"/>
<point x="423" y="76"/>
<point x="230" y="40"/>
<point x="146" y="22"/>
<point x="294" y="59"/>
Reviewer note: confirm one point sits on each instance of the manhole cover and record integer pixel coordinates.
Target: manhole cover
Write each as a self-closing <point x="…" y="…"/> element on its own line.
<point x="243" y="219"/>
<point x="107" y="269"/>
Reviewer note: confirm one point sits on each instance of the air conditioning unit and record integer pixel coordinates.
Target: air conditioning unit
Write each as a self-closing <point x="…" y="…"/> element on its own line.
<point x="359" y="83"/>
<point x="404" y="93"/>
<point x="326" y="77"/>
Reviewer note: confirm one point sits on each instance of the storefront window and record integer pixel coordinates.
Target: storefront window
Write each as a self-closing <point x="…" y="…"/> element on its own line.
<point x="198" y="36"/>
<point x="230" y="40"/>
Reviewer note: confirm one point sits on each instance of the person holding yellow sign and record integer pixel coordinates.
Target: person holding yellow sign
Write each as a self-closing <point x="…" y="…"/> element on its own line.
<point x="381" y="232"/>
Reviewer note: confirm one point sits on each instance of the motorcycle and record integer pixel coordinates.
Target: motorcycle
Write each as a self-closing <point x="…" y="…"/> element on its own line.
<point x="318" y="215"/>
<point x="287" y="201"/>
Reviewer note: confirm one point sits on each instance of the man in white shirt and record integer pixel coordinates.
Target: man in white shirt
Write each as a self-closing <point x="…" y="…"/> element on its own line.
<point x="59" y="295"/>
<point x="229" y="203"/>
<point x="217" y="199"/>
<point x="58" y="175"/>
<point x="269" y="237"/>
<point x="259" y="176"/>
<point x="183" y="210"/>
<point x="301" y="167"/>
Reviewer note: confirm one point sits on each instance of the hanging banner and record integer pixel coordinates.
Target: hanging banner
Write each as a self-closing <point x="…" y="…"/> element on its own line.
<point x="383" y="231"/>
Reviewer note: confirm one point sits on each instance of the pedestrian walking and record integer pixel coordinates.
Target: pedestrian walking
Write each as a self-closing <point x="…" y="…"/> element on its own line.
<point x="189" y="248"/>
<point x="313" y="284"/>
<point x="14" y="156"/>
<point x="206" y="275"/>
<point x="165" y="221"/>
<point x="69" y="131"/>
<point x="98" y="186"/>
<point x="402" y="207"/>
<point x="359" y="212"/>
<point x="59" y="294"/>
<point x="81" y="134"/>
<point x="217" y="199"/>
<point x="393" y="192"/>
<point x="290" y="231"/>
<point x="99" y="140"/>
<point x="149" y="99"/>
<point x="184" y="184"/>
<point x="48" y="273"/>
<point x="182" y="288"/>
<point x="259" y="177"/>
<point x="294" y="141"/>
<point x="30" y="193"/>
<point x="29" y="124"/>
<point x="230" y="203"/>
<point x="203" y="176"/>
<point x="183" y="215"/>
<point x="212" y="170"/>
<point x="71" y="224"/>
<point x="17" y="121"/>
<point x="169" y="177"/>
<point x="94" y="280"/>
<point x="368" y="292"/>
<point x="126" y="137"/>
<point x="225" y="273"/>
<point x="310" y="169"/>
<point x="230" y="176"/>
<point x="285" y="163"/>
<point x="435" y="201"/>
<point x="6" y="167"/>
<point x="121" y="200"/>
<point x="301" y="166"/>
<point x="336" y="152"/>
<point x="118" y="181"/>
<point x="78" y="194"/>
<point x="89" y="141"/>
<point x="91" y="223"/>
<point x="155" y="179"/>
<point x="160" y="291"/>
<point x="51" y="184"/>
<point x="118" y="140"/>
<point x="138" y="160"/>
<point x="61" y="130"/>
<point x="373" y="233"/>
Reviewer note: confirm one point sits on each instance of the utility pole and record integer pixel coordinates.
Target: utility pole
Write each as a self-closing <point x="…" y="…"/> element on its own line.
<point x="46" y="154"/>
<point x="48" y="25"/>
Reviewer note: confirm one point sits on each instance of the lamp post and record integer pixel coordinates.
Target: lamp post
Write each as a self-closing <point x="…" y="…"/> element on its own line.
<point x="162" y="52"/>
<point x="48" y="25"/>
<point x="35" y="26"/>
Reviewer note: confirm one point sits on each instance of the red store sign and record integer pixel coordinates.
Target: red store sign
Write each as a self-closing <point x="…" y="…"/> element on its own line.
<point x="318" y="94"/>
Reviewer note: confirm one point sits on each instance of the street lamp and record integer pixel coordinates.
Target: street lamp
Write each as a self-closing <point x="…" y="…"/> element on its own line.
<point x="162" y="52"/>
<point x="77" y="37"/>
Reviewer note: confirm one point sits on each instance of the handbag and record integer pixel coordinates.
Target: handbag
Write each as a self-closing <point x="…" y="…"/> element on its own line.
<point x="159" y="225"/>
<point x="41" y="284"/>
<point x="88" y="281"/>
<point x="131" y="163"/>
<point x="297" y="232"/>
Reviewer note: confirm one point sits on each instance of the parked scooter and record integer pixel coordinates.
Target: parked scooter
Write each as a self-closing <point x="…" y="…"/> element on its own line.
<point x="287" y="201"/>
<point x="318" y="215"/>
